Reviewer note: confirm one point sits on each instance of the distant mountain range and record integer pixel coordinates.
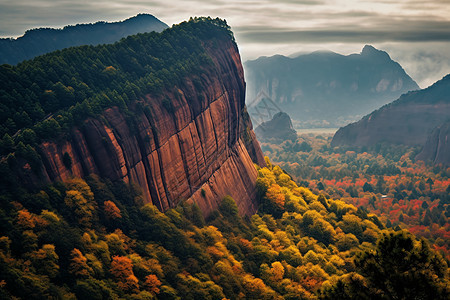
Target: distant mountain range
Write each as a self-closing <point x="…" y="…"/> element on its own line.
<point x="39" y="41"/>
<point x="417" y="118"/>
<point x="326" y="89"/>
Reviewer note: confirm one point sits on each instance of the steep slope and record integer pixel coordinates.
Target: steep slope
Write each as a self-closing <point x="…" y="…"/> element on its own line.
<point x="278" y="129"/>
<point x="326" y="88"/>
<point x="44" y="40"/>
<point x="177" y="137"/>
<point x="437" y="146"/>
<point x="408" y="120"/>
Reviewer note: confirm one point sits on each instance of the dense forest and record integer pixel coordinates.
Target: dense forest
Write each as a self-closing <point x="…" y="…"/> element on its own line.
<point x="59" y="89"/>
<point x="92" y="239"/>
<point x="43" y="98"/>
<point x="385" y="180"/>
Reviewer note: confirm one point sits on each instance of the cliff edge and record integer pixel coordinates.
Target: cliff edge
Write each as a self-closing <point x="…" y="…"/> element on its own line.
<point x="191" y="139"/>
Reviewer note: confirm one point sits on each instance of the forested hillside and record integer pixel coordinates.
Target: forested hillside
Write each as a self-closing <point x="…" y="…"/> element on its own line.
<point x="408" y="120"/>
<point x="62" y="88"/>
<point x="95" y="240"/>
<point x="162" y="110"/>
<point x="39" y="41"/>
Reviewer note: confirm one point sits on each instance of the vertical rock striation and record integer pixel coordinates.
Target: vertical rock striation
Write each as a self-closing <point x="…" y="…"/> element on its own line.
<point x="195" y="142"/>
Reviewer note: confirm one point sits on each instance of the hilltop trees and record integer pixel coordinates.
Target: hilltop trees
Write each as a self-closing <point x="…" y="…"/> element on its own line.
<point x="400" y="267"/>
<point x="43" y="98"/>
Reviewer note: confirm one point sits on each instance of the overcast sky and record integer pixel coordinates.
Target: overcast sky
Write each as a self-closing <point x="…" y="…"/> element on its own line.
<point x="415" y="33"/>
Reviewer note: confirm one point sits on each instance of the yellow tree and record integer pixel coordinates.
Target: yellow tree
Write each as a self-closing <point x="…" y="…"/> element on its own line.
<point x="82" y="208"/>
<point x="275" y="196"/>
<point x="78" y="264"/>
<point x="276" y="272"/>
<point x="25" y="219"/>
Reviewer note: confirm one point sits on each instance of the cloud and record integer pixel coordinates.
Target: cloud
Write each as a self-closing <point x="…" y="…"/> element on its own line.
<point x="433" y="33"/>
<point x="425" y="63"/>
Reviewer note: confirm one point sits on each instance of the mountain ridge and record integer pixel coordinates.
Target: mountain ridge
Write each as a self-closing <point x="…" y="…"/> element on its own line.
<point x="39" y="41"/>
<point x="408" y="120"/>
<point x="114" y="134"/>
<point x="328" y="89"/>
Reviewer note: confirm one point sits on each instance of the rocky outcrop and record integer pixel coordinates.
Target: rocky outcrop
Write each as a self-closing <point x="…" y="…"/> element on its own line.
<point x="437" y="146"/>
<point x="194" y="142"/>
<point x="407" y="121"/>
<point x="278" y="129"/>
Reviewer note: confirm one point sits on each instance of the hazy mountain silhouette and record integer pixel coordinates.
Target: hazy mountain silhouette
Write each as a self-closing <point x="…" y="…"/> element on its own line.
<point x="328" y="89"/>
<point x="278" y="129"/>
<point x="408" y="120"/>
<point x="437" y="146"/>
<point x="39" y="41"/>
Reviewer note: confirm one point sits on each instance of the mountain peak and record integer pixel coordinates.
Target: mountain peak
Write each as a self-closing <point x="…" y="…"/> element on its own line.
<point x="370" y="50"/>
<point x="141" y="17"/>
<point x="170" y="117"/>
<point x="325" y="87"/>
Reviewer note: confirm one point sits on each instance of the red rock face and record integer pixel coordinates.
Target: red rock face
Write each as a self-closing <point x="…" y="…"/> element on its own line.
<point x="205" y="142"/>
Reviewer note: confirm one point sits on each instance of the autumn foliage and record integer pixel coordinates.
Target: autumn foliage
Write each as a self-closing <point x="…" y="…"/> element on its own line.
<point x="88" y="239"/>
<point x="122" y="270"/>
<point x="111" y="210"/>
<point x="383" y="180"/>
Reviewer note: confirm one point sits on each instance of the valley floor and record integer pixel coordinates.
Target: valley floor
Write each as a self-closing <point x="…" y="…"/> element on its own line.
<point x="384" y="180"/>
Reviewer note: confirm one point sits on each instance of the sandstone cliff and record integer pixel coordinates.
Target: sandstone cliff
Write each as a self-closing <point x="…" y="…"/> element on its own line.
<point x="200" y="146"/>
<point x="407" y="121"/>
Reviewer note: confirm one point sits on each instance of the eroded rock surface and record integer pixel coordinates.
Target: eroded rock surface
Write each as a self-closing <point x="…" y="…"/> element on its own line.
<point x="200" y="147"/>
